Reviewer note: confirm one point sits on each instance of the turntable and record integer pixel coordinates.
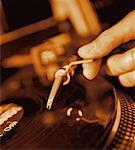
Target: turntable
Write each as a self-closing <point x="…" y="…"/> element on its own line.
<point x="87" y="114"/>
<point x="97" y="114"/>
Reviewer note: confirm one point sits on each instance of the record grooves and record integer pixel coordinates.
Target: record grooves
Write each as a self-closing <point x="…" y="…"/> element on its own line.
<point x="36" y="131"/>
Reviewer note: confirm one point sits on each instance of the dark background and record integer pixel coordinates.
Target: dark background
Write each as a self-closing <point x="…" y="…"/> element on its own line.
<point x="23" y="12"/>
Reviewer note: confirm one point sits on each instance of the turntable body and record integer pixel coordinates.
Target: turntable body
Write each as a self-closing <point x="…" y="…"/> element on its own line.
<point x="114" y="127"/>
<point x="108" y="110"/>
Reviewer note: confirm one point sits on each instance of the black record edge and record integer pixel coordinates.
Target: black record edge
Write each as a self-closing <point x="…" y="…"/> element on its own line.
<point x="123" y="136"/>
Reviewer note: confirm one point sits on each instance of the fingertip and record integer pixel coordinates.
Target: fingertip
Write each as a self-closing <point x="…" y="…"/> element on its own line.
<point x="88" y="74"/>
<point x="108" y="71"/>
<point x="127" y="79"/>
<point x="122" y="81"/>
<point x="120" y="63"/>
<point x="86" y="51"/>
<point x="90" y="70"/>
<point x="83" y="51"/>
<point x="108" y="67"/>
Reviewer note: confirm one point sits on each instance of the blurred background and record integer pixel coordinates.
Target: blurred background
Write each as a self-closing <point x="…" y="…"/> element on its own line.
<point x="21" y="13"/>
<point x="38" y="37"/>
<point x="45" y="34"/>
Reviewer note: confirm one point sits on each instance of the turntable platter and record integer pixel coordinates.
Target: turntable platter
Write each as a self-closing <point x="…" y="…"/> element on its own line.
<point x="83" y="117"/>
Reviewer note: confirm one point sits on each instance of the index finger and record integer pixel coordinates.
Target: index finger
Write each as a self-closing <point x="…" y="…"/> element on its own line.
<point x="120" y="33"/>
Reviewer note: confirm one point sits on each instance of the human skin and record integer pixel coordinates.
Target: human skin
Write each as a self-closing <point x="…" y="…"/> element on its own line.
<point x="121" y="65"/>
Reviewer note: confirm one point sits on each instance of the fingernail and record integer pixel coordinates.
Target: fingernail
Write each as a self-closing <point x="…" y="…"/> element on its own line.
<point x="86" y="51"/>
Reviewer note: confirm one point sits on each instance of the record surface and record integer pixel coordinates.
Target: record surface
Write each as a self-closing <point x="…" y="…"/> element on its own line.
<point x="91" y="108"/>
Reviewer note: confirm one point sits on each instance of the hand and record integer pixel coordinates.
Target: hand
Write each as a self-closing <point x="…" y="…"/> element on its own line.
<point x="121" y="65"/>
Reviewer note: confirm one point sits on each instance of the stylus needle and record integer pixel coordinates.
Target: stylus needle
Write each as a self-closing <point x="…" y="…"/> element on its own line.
<point x="57" y="82"/>
<point x="60" y="74"/>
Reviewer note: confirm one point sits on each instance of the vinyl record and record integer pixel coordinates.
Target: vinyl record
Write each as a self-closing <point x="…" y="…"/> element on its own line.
<point x="79" y="114"/>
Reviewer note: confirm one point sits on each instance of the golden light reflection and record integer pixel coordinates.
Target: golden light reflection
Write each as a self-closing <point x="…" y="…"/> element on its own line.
<point x="69" y="110"/>
<point x="48" y="57"/>
<point x="79" y="113"/>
